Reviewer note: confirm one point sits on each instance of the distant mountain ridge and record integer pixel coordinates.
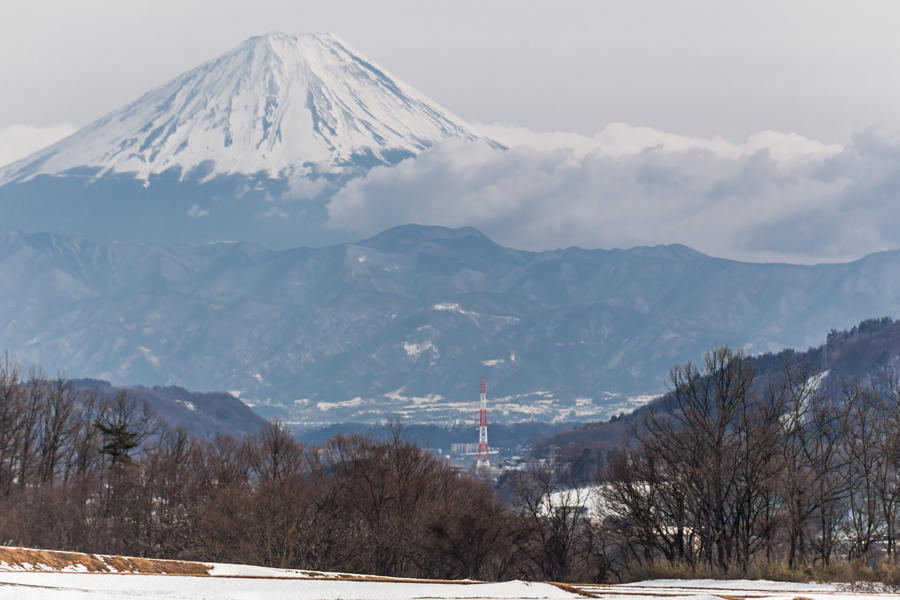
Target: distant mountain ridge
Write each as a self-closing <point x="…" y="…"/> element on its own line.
<point x="406" y="322"/>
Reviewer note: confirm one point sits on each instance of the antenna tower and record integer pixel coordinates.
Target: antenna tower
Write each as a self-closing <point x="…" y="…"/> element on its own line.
<point x="483" y="462"/>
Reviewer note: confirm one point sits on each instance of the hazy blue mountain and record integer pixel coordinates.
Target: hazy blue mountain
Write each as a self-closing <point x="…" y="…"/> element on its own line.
<point x="406" y="322"/>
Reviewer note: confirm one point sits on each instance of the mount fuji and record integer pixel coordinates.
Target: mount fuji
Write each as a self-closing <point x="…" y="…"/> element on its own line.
<point x="246" y="146"/>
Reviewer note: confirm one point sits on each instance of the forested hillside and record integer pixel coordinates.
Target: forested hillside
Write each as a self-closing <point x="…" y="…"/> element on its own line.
<point x="750" y="462"/>
<point x="867" y="351"/>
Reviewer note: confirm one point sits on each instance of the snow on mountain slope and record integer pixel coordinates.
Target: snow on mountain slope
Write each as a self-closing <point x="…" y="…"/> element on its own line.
<point x="277" y="104"/>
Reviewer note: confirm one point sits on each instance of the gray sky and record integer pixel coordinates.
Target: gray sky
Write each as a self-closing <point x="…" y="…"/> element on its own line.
<point x="821" y="69"/>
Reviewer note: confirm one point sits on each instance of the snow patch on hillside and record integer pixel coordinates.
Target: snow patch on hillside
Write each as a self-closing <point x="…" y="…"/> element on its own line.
<point x="414" y="350"/>
<point x="326" y="406"/>
<point x="414" y="401"/>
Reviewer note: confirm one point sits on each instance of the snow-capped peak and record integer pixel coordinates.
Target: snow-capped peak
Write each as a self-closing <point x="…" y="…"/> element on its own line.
<point x="277" y="103"/>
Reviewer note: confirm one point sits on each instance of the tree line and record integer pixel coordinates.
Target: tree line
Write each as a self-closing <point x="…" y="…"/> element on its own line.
<point x="732" y="474"/>
<point x="102" y="474"/>
<point x="735" y="472"/>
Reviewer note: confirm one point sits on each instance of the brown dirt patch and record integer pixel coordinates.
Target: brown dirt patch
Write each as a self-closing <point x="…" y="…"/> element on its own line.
<point x="30" y="559"/>
<point x="572" y="589"/>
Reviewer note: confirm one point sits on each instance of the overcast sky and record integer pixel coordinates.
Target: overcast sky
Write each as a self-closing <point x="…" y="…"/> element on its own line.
<point x="753" y="130"/>
<point x="821" y="69"/>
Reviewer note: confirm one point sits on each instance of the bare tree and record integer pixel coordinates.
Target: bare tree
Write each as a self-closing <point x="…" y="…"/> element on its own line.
<point x="57" y="426"/>
<point x="125" y="424"/>
<point x="553" y="522"/>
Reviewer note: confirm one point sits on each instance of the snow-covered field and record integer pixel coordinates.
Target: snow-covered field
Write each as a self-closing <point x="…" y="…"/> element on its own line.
<point x="27" y="573"/>
<point x="89" y="586"/>
<point x="712" y="589"/>
<point x="246" y="583"/>
<point x="31" y="573"/>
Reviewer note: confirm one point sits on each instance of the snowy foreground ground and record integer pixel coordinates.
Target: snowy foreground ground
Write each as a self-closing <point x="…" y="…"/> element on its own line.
<point x="40" y="581"/>
<point x="711" y="589"/>
<point x="89" y="586"/>
<point x="241" y="582"/>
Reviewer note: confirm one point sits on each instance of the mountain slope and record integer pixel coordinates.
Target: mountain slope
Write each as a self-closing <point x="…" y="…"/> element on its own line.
<point x="406" y="322"/>
<point x="277" y="104"/>
<point x="867" y="353"/>
<point x="201" y="414"/>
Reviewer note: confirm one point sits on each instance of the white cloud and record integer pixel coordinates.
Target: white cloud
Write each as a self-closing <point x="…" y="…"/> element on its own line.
<point x="621" y="139"/>
<point x="18" y="141"/>
<point x="774" y="197"/>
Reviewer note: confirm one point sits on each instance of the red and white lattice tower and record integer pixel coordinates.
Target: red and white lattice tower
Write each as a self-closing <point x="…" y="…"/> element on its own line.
<point x="483" y="462"/>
